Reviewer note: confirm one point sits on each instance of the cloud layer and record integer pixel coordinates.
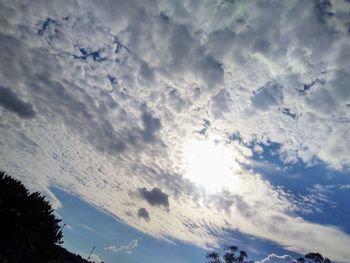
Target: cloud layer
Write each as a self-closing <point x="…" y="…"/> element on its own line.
<point x="99" y="99"/>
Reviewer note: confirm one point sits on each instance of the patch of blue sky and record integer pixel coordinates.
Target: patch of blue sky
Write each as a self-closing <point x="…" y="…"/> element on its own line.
<point x="88" y="227"/>
<point x="298" y="178"/>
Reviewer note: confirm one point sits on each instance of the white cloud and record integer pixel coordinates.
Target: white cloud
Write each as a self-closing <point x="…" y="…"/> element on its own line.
<point x="54" y="201"/>
<point x="115" y="100"/>
<point x="318" y="197"/>
<point x="273" y="258"/>
<point x="344" y="187"/>
<point x="93" y="257"/>
<point x="128" y="248"/>
<point x="87" y="227"/>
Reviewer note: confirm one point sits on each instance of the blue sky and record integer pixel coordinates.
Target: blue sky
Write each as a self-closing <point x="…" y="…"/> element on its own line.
<point x="88" y="227"/>
<point x="164" y="129"/>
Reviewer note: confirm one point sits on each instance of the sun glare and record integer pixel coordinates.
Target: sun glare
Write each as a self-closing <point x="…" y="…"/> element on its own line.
<point x="210" y="165"/>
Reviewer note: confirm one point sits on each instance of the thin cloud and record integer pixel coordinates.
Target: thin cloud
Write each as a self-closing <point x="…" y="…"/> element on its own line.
<point x="128" y="248"/>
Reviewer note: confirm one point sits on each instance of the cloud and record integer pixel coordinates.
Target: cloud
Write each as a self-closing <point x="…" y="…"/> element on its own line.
<point x="10" y="101"/>
<point x="267" y="96"/>
<point x="344" y="187"/>
<point x="155" y="197"/>
<point x="151" y="126"/>
<point x="273" y="258"/>
<point x="115" y="101"/>
<point x="93" y="257"/>
<point x="87" y="227"/>
<point x="143" y="213"/>
<point x="128" y="248"/>
<point x="54" y="201"/>
<point x="317" y="199"/>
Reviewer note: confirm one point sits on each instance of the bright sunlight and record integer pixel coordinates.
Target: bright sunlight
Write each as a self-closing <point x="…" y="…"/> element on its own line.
<point x="210" y="164"/>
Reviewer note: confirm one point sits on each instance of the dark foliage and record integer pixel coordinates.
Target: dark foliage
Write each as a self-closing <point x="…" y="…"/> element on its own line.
<point x="313" y="258"/>
<point x="234" y="255"/>
<point x="29" y="231"/>
<point x="231" y="255"/>
<point x="213" y="257"/>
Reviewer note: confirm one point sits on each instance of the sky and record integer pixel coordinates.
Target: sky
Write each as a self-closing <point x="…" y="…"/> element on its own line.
<point x="160" y="130"/>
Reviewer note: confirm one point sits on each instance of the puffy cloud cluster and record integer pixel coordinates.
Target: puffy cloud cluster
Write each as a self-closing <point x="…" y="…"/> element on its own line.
<point x="155" y="197"/>
<point x="98" y="98"/>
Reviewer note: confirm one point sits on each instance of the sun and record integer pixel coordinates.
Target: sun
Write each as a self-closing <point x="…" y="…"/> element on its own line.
<point x="210" y="164"/>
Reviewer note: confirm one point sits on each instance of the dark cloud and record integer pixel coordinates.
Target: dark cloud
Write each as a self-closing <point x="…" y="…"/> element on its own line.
<point x="143" y="213"/>
<point x="323" y="10"/>
<point x="151" y="126"/>
<point x="267" y="96"/>
<point x="56" y="100"/>
<point x="79" y="113"/>
<point x="211" y="71"/>
<point x="262" y="46"/>
<point x="221" y="104"/>
<point x="146" y="72"/>
<point x="180" y="47"/>
<point x="155" y="197"/>
<point x="10" y="101"/>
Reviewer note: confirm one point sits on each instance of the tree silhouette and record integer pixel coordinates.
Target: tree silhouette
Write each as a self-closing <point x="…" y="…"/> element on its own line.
<point x="213" y="257"/>
<point x="231" y="255"/>
<point x="313" y="257"/>
<point x="234" y="255"/>
<point x="29" y="229"/>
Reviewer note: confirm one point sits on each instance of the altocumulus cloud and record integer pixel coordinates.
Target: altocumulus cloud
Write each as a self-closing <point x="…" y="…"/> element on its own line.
<point x="115" y="100"/>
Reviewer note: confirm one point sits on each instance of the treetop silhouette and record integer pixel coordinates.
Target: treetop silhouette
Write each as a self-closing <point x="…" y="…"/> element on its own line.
<point x="231" y="255"/>
<point x="234" y="255"/>
<point x="29" y="230"/>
